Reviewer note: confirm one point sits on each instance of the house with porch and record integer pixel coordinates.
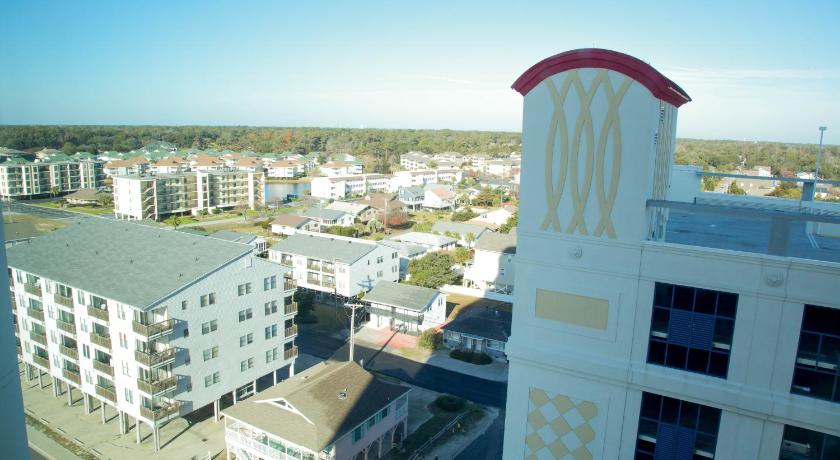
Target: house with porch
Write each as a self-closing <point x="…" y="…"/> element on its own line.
<point x="406" y="307"/>
<point x="329" y="217"/>
<point x="479" y="330"/>
<point x="331" y="411"/>
<point x="289" y="224"/>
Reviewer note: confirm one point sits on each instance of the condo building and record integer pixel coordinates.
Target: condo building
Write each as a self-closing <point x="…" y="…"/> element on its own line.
<point x="20" y="178"/>
<point x="338" y="187"/>
<point x="651" y="320"/>
<point x="148" y="322"/>
<point x="156" y="196"/>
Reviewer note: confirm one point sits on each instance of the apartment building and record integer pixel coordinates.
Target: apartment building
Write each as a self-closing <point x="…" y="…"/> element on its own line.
<point x="334" y="264"/>
<point x="415" y="160"/>
<point x="341" y="187"/>
<point x="148" y="322"/>
<point x="159" y="195"/>
<point x="493" y="267"/>
<point x="133" y="165"/>
<point x="331" y="411"/>
<point x="425" y="176"/>
<point x="20" y="178"/>
<point x="648" y="326"/>
<point x="338" y="168"/>
<point x="285" y="169"/>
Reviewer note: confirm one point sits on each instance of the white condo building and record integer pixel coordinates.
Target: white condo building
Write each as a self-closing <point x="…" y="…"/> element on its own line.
<point x="334" y="264"/>
<point x="149" y="322"/>
<point x="426" y="176"/>
<point x="20" y="178"/>
<point x="646" y="324"/>
<point x="343" y="186"/>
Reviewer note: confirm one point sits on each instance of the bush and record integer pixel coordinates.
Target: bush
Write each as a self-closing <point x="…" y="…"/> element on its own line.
<point x="217" y="211"/>
<point x="471" y="357"/>
<point x="202" y="212"/>
<point x="431" y="339"/>
<point x="449" y="403"/>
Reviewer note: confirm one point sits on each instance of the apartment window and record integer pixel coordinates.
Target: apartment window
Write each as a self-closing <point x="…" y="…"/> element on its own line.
<point x="183" y="305"/>
<point x="358" y="434"/>
<point x="394" y="255"/>
<point x="211" y="298"/>
<point x="126" y="369"/>
<point x="379" y="259"/>
<point x="671" y="428"/>
<point x="271" y="331"/>
<point x="121" y="311"/>
<point x="209" y="327"/>
<point x="243" y="289"/>
<point x="129" y="396"/>
<point x="123" y="340"/>
<point x="270" y="307"/>
<point x="246" y="339"/>
<point x="246" y="364"/>
<point x="246" y="314"/>
<point x="692" y="328"/>
<point x="401" y="405"/>
<point x="801" y="444"/>
<point x="371" y="422"/>
<point x="379" y="274"/>
<point x="211" y="379"/>
<point x="210" y="353"/>
<point x="269" y="283"/>
<point x="272" y="355"/>
<point x="85" y="351"/>
<point x="817" y="369"/>
<point x="88" y="377"/>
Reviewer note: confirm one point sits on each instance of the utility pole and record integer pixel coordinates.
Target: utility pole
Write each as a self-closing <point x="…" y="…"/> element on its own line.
<point x="353" y="307"/>
<point x="819" y="155"/>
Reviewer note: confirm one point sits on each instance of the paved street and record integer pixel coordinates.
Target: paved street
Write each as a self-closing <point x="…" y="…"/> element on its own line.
<point x="488" y="445"/>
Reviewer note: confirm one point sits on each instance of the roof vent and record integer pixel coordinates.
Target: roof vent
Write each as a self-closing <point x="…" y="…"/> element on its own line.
<point x="66" y="245"/>
<point x="131" y="261"/>
<point x="342" y="394"/>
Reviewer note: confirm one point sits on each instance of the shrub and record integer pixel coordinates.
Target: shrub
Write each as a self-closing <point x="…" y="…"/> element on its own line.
<point x="431" y="339"/>
<point x="471" y="357"/>
<point x="449" y="403"/>
<point x="217" y="211"/>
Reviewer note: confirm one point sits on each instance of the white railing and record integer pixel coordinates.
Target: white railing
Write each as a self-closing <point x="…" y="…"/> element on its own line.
<point x="242" y="440"/>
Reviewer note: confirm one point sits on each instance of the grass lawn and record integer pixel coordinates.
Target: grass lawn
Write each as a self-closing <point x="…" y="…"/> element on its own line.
<point x="94" y="210"/>
<point x="456" y="303"/>
<point x="251" y="227"/>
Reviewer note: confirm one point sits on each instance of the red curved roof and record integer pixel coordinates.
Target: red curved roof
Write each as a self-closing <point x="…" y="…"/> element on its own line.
<point x="659" y="85"/>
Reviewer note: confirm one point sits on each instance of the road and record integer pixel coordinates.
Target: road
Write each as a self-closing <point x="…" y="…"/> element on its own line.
<point x="488" y="445"/>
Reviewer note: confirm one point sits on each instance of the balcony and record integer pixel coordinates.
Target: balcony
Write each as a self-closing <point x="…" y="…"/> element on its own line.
<point x="72" y="376"/>
<point x="290" y="308"/>
<point x="34" y="289"/>
<point x="98" y="313"/>
<point x="105" y="368"/>
<point x="155" y="387"/>
<point x="286" y="261"/>
<point x="41" y="361"/>
<point x="103" y="341"/>
<point x="290" y="353"/>
<point x="69" y="352"/>
<point x="38" y="337"/>
<point x="313" y="265"/>
<point x="289" y="284"/>
<point x="153" y="330"/>
<point x="65" y="326"/>
<point x="161" y="412"/>
<point x="35" y="314"/>
<point x="107" y="393"/>
<point x="291" y="331"/>
<point x="328" y="268"/>
<point x="154" y="358"/>
<point x="61" y="300"/>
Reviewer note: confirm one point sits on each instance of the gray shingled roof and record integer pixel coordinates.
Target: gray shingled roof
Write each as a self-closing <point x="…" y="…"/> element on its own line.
<point x="134" y="264"/>
<point x="460" y="228"/>
<point x="315" y="394"/>
<point x="408" y="296"/>
<point x="503" y="243"/>
<point x="291" y="220"/>
<point x="324" y="213"/>
<point x="325" y="247"/>
<point x="482" y="322"/>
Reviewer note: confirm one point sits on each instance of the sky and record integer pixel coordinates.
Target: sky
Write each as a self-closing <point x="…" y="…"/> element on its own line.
<point x="761" y="70"/>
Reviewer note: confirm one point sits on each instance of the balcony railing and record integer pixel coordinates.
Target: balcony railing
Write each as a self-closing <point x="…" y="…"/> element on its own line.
<point x="289" y="308"/>
<point x="101" y="340"/>
<point x="103" y="367"/>
<point x="69" y="352"/>
<point x="290" y="353"/>
<point x="289" y="284"/>
<point x="98" y="313"/>
<point x="68" y="327"/>
<point x="61" y="300"/>
<point x="41" y="361"/>
<point x="313" y="265"/>
<point x="286" y="262"/>
<point x="290" y="331"/>
<point x="152" y="330"/>
<point x="38" y="337"/>
<point x="154" y="387"/>
<point x="328" y="268"/>
<point x="35" y="314"/>
<point x="107" y="393"/>
<point x="161" y="412"/>
<point x="154" y="358"/>
<point x="34" y="289"/>
<point x="72" y="376"/>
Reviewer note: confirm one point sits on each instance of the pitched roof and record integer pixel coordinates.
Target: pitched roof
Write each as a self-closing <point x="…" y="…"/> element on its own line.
<point x="484" y="322"/>
<point x="334" y="398"/>
<point x="426" y="239"/>
<point x="133" y="264"/>
<point x="85" y="194"/>
<point x="408" y="296"/>
<point x="323" y="213"/>
<point x="443" y="193"/>
<point x="248" y="162"/>
<point x="346" y="250"/>
<point x="503" y="243"/>
<point x="170" y="161"/>
<point x="284" y="163"/>
<point x="291" y="220"/>
<point x="234" y="237"/>
<point x="461" y="228"/>
<point x="350" y="207"/>
<point x="378" y="200"/>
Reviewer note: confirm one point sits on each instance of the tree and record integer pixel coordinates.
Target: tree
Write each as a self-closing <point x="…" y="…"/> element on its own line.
<point x="511" y="223"/>
<point x="734" y="189"/>
<point x="433" y="164"/>
<point x="432" y="270"/>
<point x="174" y="221"/>
<point x="431" y="339"/>
<point x="463" y="215"/>
<point x="373" y="226"/>
<point x="786" y="190"/>
<point x="485" y="197"/>
<point x="469" y="238"/>
<point x="54" y="191"/>
<point x="105" y="200"/>
<point x="396" y="218"/>
<point x="462" y="255"/>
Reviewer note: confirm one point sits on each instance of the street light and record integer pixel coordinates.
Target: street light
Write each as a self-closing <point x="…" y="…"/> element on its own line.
<point x="819" y="155"/>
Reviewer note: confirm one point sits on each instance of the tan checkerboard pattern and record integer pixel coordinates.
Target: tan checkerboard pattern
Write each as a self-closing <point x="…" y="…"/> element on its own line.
<point x="558" y="426"/>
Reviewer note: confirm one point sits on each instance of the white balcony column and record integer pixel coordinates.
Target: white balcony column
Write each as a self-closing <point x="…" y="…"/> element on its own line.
<point x="40" y="380"/>
<point x="56" y="387"/>
<point x="234" y="396"/>
<point x="274" y="376"/>
<point x="156" y="435"/>
<point x="86" y="400"/>
<point x="138" y="435"/>
<point x="69" y="395"/>
<point x="28" y="369"/>
<point x="216" y="408"/>
<point x="104" y="415"/>
<point x="292" y="369"/>
<point x="123" y="420"/>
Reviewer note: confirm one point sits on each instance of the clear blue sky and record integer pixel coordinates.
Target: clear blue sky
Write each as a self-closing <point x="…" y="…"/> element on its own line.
<point x="756" y="70"/>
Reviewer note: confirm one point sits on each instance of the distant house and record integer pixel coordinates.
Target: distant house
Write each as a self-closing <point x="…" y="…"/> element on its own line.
<point x="380" y="201"/>
<point x="405" y="307"/>
<point x="206" y="163"/>
<point x="358" y="209"/>
<point x="285" y="169"/>
<point x="251" y="164"/>
<point x="492" y="268"/>
<point x="329" y="217"/>
<point x="259" y="243"/>
<point x="85" y="196"/>
<point x="335" y="168"/>
<point x="462" y="229"/>
<point x="426" y="240"/>
<point x="289" y="224"/>
<point x="335" y="411"/>
<point x="480" y="330"/>
<point x="171" y="165"/>
<point x="496" y="216"/>
<point x="407" y="252"/>
<point x="134" y="165"/>
<point x="412" y="196"/>
<point x="439" y="197"/>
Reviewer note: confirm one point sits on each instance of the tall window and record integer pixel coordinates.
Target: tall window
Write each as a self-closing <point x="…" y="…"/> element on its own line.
<point x="271" y="331"/>
<point x="692" y="328"/>
<point x="817" y="369"/>
<point x="673" y="429"/>
<point x="209" y="327"/>
<point x="801" y="444"/>
<point x="211" y="353"/>
<point x="245" y="314"/>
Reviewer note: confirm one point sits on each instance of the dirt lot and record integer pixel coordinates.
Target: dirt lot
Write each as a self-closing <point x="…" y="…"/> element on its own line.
<point x="456" y="303"/>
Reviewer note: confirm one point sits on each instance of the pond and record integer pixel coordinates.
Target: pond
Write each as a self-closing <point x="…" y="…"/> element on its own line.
<point x="279" y="191"/>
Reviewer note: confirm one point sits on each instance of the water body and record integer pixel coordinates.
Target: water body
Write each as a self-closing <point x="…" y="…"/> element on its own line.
<point x="279" y="191"/>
